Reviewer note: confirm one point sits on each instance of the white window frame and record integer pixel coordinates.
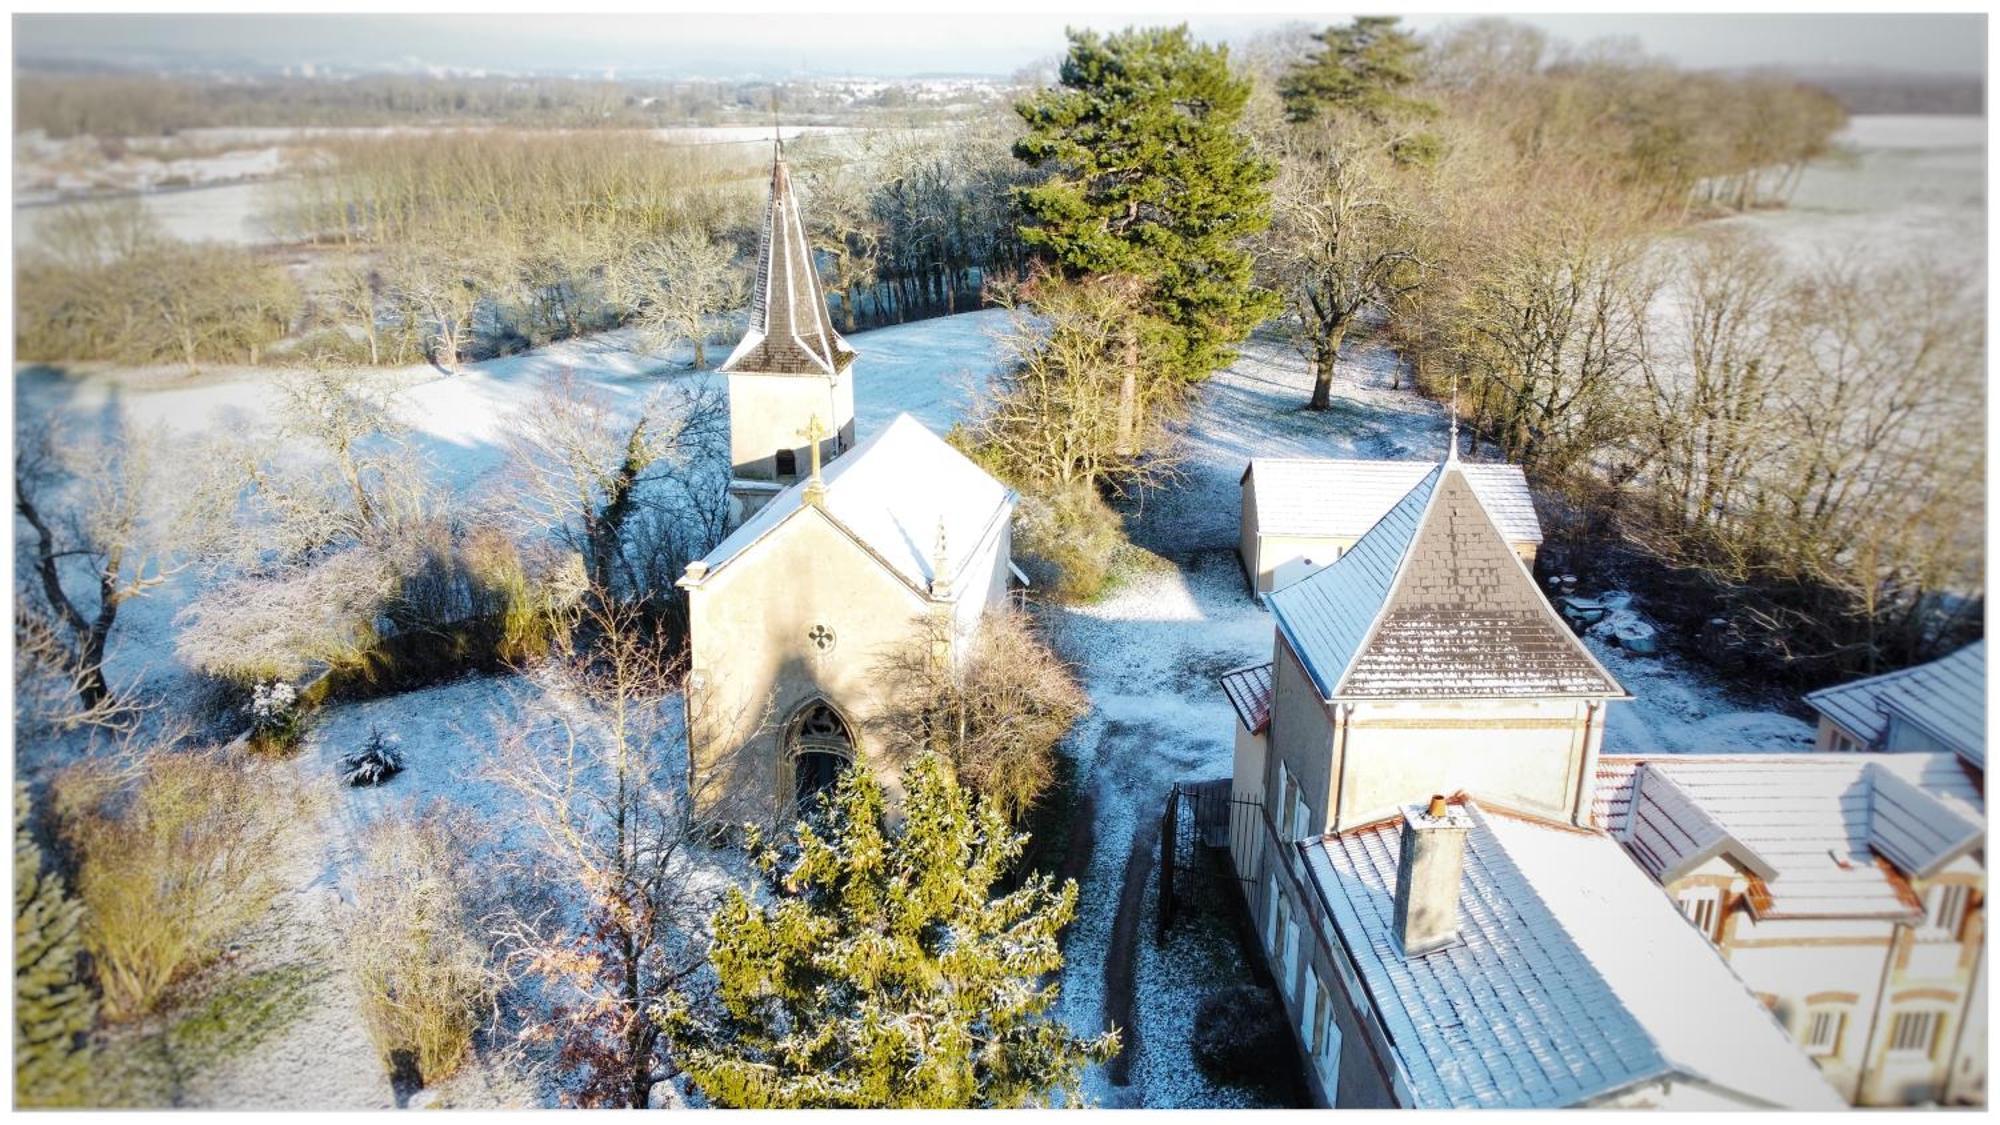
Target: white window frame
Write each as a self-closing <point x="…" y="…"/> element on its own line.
<point x="1944" y="912"/>
<point x="1294" y="954"/>
<point x="1271" y="915"/>
<point x="1903" y="1044"/>
<point x="1822" y="1030"/>
<point x="1702" y="907"/>
<point x="1326" y="1044"/>
<point x="1309" y="996"/>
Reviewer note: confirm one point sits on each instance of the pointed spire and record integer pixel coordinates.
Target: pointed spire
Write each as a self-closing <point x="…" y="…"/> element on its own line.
<point x="790" y="331"/>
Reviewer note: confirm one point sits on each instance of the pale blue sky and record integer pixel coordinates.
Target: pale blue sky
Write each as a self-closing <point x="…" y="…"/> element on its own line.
<point x="907" y="43"/>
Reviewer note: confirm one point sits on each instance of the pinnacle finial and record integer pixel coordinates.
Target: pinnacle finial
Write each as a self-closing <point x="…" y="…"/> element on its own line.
<point x="940" y="585"/>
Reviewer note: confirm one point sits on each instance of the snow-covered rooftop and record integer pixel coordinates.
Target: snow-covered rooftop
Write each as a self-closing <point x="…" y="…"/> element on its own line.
<point x="894" y="493"/>
<point x="1433" y="602"/>
<point x="1341" y="498"/>
<point x="1807" y="826"/>
<point x="1946" y="697"/>
<point x="1574" y="978"/>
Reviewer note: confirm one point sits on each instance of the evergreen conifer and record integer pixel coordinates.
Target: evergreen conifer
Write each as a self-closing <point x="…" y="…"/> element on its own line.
<point x="886" y="971"/>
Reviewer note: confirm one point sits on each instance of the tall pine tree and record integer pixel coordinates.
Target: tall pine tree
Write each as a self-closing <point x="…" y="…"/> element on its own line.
<point x="1365" y="67"/>
<point x="886" y="973"/>
<point x="1151" y="177"/>
<point x="53" y="1010"/>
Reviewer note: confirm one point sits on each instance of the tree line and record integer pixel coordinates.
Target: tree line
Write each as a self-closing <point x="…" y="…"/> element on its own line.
<point x="118" y="105"/>
<point x="1513" y="215"/>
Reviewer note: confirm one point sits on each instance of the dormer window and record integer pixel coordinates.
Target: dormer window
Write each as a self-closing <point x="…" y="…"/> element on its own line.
<point x="1823" y="1031"/>
<point x="1944" y="912"/>
<point x="1703" y="907"/>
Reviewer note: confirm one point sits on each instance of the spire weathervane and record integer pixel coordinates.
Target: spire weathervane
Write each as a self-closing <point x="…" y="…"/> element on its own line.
<point x="1452" y="453"/>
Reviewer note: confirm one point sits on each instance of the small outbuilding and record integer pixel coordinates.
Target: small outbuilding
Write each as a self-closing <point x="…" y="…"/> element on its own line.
<point x="1300" y="514"/>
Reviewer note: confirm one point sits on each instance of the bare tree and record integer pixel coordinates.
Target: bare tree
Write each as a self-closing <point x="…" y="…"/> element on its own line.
<point x="995" y="706"/>
<point x="676" y="286"/>
<point x="600" y="773"/>
<point x="442" y="286"/>
<point x="1342" y="240"/>
<point x="352" y="287"/>
<point x="1711" y="373"/>
<point x="583" y="465"/>
<point x="1064" y="412"/>
<point x="104" y="515"/>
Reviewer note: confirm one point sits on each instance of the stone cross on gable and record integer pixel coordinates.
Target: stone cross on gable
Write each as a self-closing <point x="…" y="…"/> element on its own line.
<point x="814" y="432"/>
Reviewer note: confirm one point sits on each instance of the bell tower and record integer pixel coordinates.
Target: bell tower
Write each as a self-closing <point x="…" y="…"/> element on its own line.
<point x="791" y="384"/>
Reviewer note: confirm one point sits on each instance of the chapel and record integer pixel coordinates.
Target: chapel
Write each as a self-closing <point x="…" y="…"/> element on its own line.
<point x="843" y="555"/>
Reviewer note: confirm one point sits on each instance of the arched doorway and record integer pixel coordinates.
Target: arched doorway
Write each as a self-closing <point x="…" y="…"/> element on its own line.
<point x="821" y="749"/>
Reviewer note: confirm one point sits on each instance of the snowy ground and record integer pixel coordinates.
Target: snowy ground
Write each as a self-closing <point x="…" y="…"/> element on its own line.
<point x="1149" y="653"/>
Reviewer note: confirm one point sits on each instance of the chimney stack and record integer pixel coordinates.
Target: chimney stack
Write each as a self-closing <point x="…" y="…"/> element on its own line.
<point x="1429" y="874"/>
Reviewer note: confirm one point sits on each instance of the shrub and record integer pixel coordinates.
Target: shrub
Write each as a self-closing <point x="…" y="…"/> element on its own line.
<point x="1238" y="1031"/>
<point x="409" y="942"/>
<point x="277" y="716"/>
<point x="437" y="601"/>
<point x="1071" y="539"/>
<point x="176" y="859"/>
<point x="53" y="1010"/>
<point x="373" y="764"/>
<point x="277" y="626"/>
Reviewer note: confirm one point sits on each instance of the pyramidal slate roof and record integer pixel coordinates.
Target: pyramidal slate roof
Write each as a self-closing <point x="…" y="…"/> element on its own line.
<point x="1432" y="602"/>
<point x="1946" y="697"/>
<point x="896" y="494"/>
<point x="789" y="332"/>
<point x="1809" y="828"/>
<point x="1573" y="979"/>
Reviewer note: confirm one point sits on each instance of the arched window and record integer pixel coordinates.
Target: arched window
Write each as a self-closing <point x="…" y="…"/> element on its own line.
<point x="821" y="748"/>
<point x="788" y="463"/>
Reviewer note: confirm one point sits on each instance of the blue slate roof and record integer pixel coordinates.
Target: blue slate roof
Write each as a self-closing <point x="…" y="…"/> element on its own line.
<point x="1433" y="602"/>
<point x="1574" y="979"/>
<point x="1946" y="697"/>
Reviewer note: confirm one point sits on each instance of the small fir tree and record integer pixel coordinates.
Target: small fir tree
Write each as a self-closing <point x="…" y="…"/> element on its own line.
<point x="53" y="1010"/>
<point x="1151" y="177"/>
<point x="887" y="972"/>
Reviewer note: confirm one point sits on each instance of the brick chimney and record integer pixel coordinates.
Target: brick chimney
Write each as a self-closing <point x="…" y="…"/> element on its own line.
<point x="1429" y="874"/>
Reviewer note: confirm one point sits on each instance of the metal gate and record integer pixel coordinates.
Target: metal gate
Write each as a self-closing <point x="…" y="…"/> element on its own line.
<point x="1207" y="836"/>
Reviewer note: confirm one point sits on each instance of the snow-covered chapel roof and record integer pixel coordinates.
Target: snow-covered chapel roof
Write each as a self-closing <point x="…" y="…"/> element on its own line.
<point x="1433" y="602"/>
<point x="893" y="493"/>
<point x="1946" y="697"/>
<point x="1574" y="978"/>
<point x="789" y="331"/>
<point x="1341" y="498"/>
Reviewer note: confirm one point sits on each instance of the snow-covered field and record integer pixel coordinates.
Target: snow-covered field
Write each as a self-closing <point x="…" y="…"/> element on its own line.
<point x="1902" y="188"/>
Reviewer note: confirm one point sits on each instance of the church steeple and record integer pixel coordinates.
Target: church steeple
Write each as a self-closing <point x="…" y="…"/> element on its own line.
<point x="789" y="332"/>
<point x="791" y="381"/>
